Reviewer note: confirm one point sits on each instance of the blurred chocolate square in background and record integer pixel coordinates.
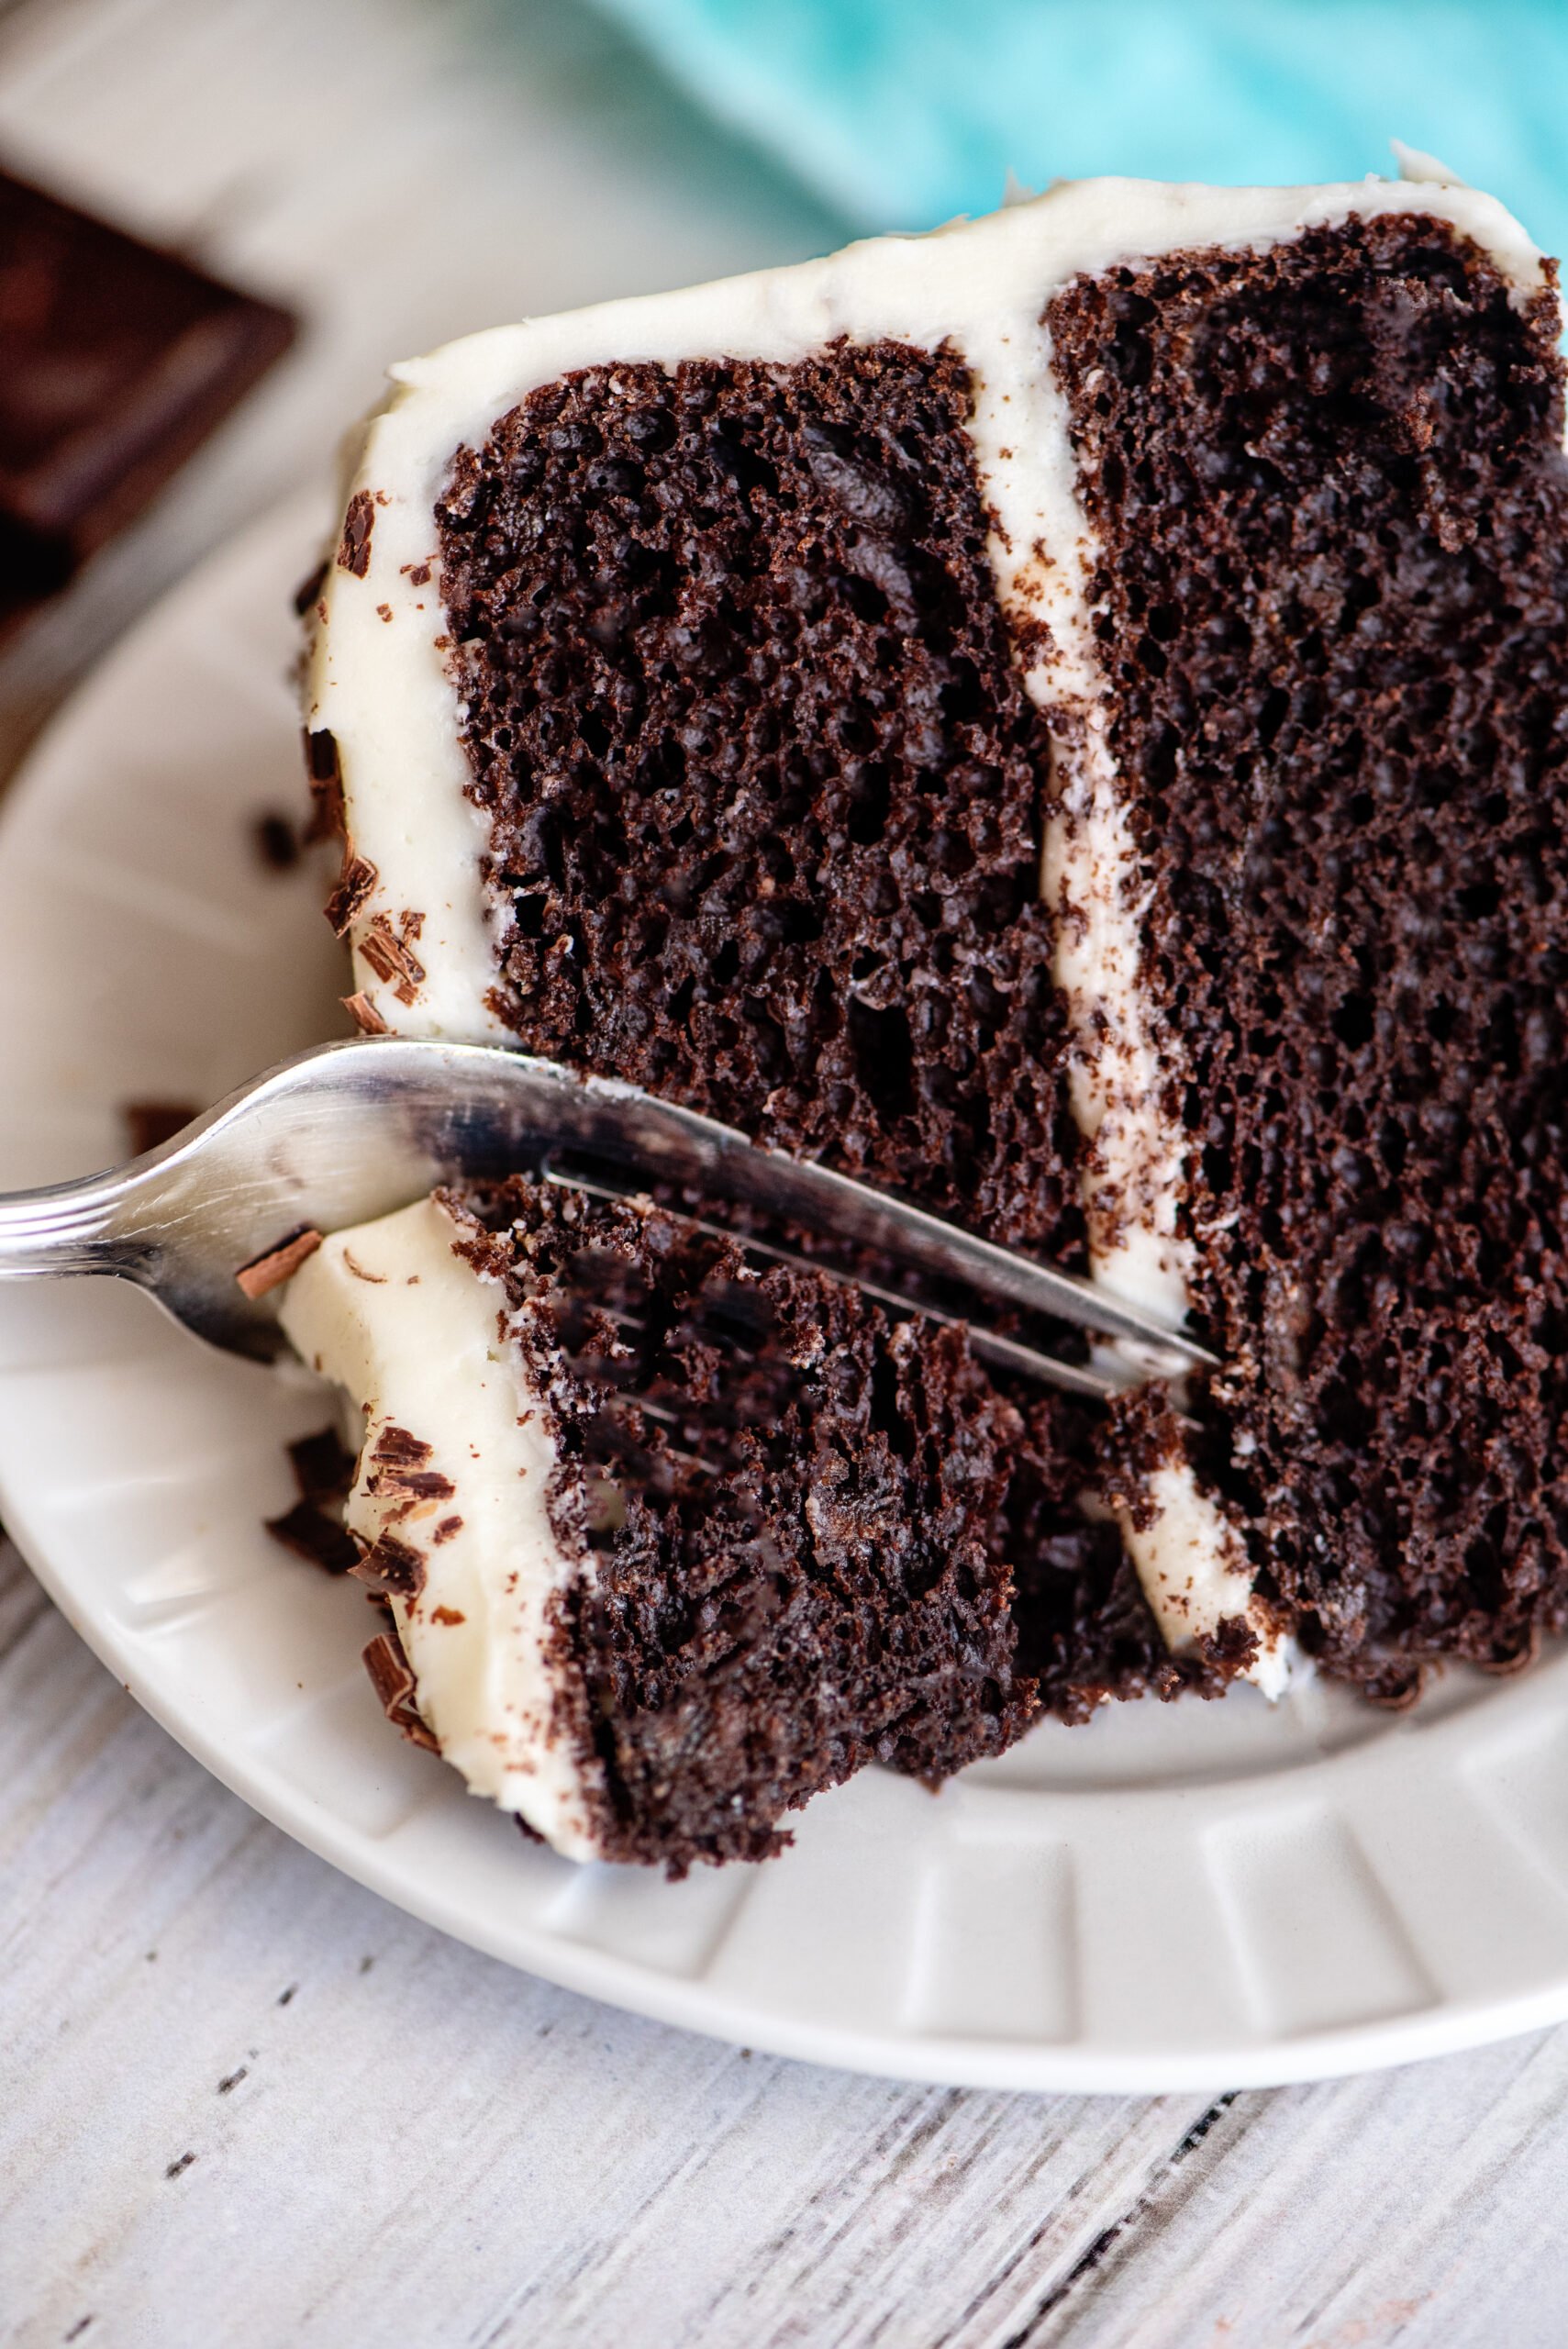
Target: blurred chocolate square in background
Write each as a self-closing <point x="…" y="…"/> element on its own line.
<point x="116" y="360"/>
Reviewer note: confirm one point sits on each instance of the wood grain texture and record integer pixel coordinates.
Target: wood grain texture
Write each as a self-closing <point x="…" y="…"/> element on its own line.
<point x="242" y="2101"/>
<point x="246" y="2101"/>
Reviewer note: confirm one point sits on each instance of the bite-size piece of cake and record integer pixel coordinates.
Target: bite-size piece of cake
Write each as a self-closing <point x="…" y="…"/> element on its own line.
<point x="672" y="1539"/>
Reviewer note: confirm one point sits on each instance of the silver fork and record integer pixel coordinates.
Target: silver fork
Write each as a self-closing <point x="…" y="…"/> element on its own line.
<point x="353" y="1130"/>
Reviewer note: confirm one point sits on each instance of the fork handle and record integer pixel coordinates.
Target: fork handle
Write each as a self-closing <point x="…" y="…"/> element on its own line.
<point x="64" y="1228"/>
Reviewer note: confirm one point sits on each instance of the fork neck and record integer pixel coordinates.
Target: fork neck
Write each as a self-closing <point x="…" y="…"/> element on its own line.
<point x="62" y="1230"/>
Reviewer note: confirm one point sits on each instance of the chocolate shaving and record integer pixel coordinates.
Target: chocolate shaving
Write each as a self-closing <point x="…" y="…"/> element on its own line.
<point x="446" y="1528"/>
<point x="391" y="957"/>
<point x="309" y="587"/>
<point x="323" y="1466"/>
<point x="327" y="821"/>
<point x="354" y="554"/>
<point x="405" y="1489"/>
<point x="279" y="1264"/>
<point x="310" y="1532"/>
<point x="355" y="883"/>
<point x="392" y="1569"/>
<point x="395" y="1448"/>
<point x="150" y="1123"/>
<point x="393" y="1683"/>
<point x="400" y="1476"/>
<point x="411" y="1486"/>
<point x="321" y="754"/>
<point x="365" y="1016"/>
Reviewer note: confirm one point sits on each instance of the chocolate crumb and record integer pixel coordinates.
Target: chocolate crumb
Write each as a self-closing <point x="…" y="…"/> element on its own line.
<point x="448" y="1614"/>
<point x="227" y="2086"/>
<point x="376" y="1280"/>
<point x="175" y="2168"/>
<point x="393" y="1683"/>
<point x="310" y="1532"/>
<point x="447" y="1528"/>
<point x="149" y="1124"/>
<point x="279" y="1264"/>
<point x="384" y="612"/>
<point x="323" y="1466"/>
<point x="354" y="554"/>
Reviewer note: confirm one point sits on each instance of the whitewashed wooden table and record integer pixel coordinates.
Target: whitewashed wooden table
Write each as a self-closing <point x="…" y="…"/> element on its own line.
<point x="241" y="2101"/>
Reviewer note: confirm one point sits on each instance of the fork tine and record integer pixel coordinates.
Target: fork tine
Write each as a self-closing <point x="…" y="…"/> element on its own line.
<point x="990" y="1345"/>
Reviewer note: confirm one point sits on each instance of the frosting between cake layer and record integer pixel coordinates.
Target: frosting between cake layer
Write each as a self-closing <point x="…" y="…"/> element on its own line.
<point x="411" y="1332"/>
<point x="379" y="680"/>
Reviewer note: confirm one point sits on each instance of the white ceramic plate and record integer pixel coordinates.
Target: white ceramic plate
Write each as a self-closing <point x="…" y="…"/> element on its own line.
<point x="1175" y="1897"/>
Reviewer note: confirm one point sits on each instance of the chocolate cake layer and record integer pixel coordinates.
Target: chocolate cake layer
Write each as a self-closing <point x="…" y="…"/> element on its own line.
<point x="788" y="1508"/>
<point x="763" y="783"/>
<point x="1329" y="494"/>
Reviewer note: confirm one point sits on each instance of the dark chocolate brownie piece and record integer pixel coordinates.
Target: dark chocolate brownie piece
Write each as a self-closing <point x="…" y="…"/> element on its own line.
<point x="119" y="360"/>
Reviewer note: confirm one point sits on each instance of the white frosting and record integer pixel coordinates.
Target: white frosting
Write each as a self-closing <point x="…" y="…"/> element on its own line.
<point x="379" y="678"/>
<point x="1419" y="169"/>
<point x="1195" y="1572"/>
<point x="410" y="1332"/>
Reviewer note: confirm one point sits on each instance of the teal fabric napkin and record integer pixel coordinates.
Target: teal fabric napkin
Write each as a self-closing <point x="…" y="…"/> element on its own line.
<point x="904" y="112"/>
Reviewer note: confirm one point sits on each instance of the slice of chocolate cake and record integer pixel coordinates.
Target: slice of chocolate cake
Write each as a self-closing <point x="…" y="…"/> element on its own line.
<point x="1063" y="718"/>
<point x="670" y="1540"/>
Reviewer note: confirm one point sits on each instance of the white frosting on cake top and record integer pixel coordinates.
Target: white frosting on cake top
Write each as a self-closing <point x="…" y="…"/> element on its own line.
<point x="411" y="1332"/>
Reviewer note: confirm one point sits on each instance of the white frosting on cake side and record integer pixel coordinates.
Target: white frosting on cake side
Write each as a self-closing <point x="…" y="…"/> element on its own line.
<point x="379" y="680"/>
<point x="1194" y="1573"/>
<point x="411" y="1332"/>
<point x="1042" y="554"/>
